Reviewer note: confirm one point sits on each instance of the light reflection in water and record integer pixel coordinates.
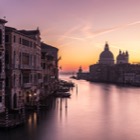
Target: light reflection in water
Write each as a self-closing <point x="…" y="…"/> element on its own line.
<point x="94" y="112"/>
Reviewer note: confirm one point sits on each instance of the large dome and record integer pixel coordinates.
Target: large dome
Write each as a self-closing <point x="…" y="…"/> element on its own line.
<point x="106" y="54"/>
<point x="106" y="57"/>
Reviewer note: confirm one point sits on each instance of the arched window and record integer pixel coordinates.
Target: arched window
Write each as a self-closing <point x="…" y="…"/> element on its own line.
<point x="7" y="57"/>
<point x="0" y="66"/>
<point x="0" y="36"/>
<point x="15" y="100"/>
<point x="14" y="80"/>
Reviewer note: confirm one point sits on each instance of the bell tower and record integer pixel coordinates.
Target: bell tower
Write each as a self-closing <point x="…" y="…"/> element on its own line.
<point x="2" y="65"/>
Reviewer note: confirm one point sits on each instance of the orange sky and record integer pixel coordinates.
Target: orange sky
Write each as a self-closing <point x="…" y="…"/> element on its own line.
<point x="79" y="28"/>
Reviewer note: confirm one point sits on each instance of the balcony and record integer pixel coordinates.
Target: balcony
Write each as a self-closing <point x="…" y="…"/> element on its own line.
<point x="27" y="85"/>
<point x="26" y="67"/>
<point x="2" y="107"/>
<point x="1" y="47"/>
<point x="40" y="80"/>
<point x="2" y="76"/>
<point x="0" y="92"/>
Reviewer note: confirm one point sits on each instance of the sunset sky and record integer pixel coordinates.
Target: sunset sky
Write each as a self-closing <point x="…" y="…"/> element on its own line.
<point x="79" y="28"/>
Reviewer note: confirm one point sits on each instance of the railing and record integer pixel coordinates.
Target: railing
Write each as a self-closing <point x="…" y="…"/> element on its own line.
<point x="40" y="80"/>
<point x="27" y="85"/>
<point x="2" y="76"/>
<point x="1" y="47"/>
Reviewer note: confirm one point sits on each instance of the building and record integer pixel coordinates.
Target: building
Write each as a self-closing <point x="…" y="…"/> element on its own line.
<point x="28" y="68"/>
<point x="82" y="75"/>
<point x="2" y="65"/>
<point x="49" y="62"/>
<point x="23" y="67"/>
<point x="120" y="73"/>
<point x="122" y="57"/>
<point x="107" y="71"/>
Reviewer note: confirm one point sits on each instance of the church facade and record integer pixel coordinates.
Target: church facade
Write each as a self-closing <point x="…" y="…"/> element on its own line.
<point x="106" y="57"/>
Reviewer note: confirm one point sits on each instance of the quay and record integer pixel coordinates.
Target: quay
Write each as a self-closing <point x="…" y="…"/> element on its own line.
<point x="13" y="118"/>
<point x="10" y="120"/>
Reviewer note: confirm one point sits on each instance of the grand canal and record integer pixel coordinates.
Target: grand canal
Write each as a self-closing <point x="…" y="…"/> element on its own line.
<point x="94" y="112"/>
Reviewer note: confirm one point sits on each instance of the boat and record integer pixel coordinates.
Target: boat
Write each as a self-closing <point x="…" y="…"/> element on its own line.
<point x="62" y="94"/>
<point x="63" y="89"/>
<point x="66" y="84"/>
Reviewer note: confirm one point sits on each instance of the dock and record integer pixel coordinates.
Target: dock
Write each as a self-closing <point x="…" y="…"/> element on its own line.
<point x="11" y="120"/>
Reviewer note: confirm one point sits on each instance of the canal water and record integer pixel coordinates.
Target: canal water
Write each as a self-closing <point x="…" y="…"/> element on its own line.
<point x="95" y="111"/>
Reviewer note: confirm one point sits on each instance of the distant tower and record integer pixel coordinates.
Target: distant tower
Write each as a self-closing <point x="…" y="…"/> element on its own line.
<point x="127" y="57"/>
<point x="2" y="64"/>
<point x="80" y="70"/>
<point x="79" y="73"/>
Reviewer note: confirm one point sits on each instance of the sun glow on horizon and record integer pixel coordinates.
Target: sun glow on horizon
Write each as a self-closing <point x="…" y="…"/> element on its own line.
<point x="80" y="30"/>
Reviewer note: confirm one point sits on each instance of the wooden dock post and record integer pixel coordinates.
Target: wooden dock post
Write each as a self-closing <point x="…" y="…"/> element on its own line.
<point x="23" y="113"/>
<point x="6" y="118"/>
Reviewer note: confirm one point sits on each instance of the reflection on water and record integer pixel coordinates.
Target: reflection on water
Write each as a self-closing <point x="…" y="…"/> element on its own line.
<point x="94" y="112"/>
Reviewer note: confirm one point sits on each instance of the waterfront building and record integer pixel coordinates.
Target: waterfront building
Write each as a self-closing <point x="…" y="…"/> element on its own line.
<point x="49" y="62"/>
<point x="82" y="75"/>
<point x="107" y="71"/>
<point x="2" y="65"/>
<point x="23" y="67"/>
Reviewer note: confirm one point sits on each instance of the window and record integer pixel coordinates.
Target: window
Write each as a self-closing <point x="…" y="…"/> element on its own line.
<point x="43" y="54"/>
<point x="0" y="36"/>
<point x="6" y="38"/>
<point x="6" y="57"/>
<point x="39" y="75"/>
<point x="31" y="44"/>
<point x="43" y="65"/>
<point x="7" y="82"/>
<point x="25" y="42"/>
<point x="25" y="59"/>
<point x="20" y="40"/>
<point x="14" y="38"/>
<point x="0" y="85"/>
<point x="26" y="78"/>
<point x="0" y="66"/>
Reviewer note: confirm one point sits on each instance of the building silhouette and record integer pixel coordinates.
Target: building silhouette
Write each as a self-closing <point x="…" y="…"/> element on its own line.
<point x="106" y="57"/>
<point x="49" y="62"/>
<point x="123" y="57"/>
<point x="107" y="71"/>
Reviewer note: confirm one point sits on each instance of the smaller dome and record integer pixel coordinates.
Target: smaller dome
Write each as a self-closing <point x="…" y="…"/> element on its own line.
<point x="120" y="57"/>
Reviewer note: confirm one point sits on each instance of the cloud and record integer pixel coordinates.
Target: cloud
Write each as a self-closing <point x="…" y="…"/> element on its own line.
<point x="76" y="38"/>
<point x="82" y="32"/>
<point x="87" y="32"/>
<point x="108" y="30"/>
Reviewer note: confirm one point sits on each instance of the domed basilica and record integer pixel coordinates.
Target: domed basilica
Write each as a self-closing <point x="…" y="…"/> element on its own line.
<point x="107" y="57"/>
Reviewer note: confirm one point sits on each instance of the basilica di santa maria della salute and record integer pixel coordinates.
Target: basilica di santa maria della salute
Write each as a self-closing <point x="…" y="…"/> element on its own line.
<point x="107" y="57"/>
<point x="109" y="70"/>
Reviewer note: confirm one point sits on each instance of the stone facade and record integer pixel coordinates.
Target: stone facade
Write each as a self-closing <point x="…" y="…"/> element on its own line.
<point x="23" y="67"/>
<point x="2" y="64"/>
<point x="23" y="78"/>
<point x="49" y="62"/>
